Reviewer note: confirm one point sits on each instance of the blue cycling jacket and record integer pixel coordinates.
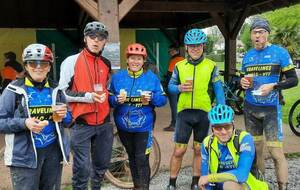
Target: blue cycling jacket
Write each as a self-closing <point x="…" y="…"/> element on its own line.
<point x="133" y="116"/>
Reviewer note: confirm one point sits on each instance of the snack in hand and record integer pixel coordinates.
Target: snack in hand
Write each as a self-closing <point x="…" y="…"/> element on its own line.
<point x="43" y="123"/>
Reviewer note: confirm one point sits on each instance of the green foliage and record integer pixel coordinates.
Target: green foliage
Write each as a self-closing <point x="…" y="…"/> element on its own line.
<point x="285" y="24"/>
<point x="210" y="43"/>
<point x="216" y="57"/>
<point x="284" y="17"/>
<point x="245" y="36"/>
<point x="287" y="37"/>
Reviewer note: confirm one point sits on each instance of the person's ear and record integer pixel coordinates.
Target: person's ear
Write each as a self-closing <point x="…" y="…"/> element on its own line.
<point x="25" y="67"/>
<point x="84" y="39"/>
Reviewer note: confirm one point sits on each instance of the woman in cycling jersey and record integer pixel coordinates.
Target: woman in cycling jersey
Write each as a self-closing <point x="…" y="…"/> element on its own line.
<point x="134" y="95"/>
<point x="35" y="140"/>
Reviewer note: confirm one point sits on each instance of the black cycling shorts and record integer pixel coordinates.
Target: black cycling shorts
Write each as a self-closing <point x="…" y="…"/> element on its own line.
<point x="191" y="120"/>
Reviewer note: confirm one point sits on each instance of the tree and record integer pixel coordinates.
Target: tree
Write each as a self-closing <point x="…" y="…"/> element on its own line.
<point x="285" y="30"/>
<point x="285" y="24"/>
<point x="289" y="38"/>
<point x="210" y="43"/>
<point x="245" y="36"/>
<point x="284" y="17"/>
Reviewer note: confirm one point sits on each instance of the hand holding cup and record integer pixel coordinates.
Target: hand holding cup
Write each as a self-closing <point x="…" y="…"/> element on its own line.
<point x="122" y="96"/>
<point x="145" y="97"/>
<point x="247" y="81"/>
<point x="59" y="111"/>
<point x="187" y="86"/>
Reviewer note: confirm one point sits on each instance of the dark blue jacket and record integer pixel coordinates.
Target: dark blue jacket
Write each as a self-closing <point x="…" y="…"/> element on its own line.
<point x="20" y="150"/>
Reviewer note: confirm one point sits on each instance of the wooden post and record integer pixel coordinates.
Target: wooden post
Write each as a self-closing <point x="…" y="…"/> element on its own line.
<point x="230" y="57"/>
<point x="229" y="25"/>
<point x="108" y="14"/>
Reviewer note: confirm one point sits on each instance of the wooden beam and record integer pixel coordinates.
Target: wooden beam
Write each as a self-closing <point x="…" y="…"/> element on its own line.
<point x="125" y="6"/>
<point x="241" y="19"/>
<point x="108" y="14"/>
<point x="90" y="7"/>
<point x="176" y="6"/>
<point x="217" y="19"/>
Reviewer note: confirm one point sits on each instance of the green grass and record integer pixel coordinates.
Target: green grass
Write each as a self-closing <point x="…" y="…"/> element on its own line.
<point x="290" y="97"/>
<point x="68" y="188"/>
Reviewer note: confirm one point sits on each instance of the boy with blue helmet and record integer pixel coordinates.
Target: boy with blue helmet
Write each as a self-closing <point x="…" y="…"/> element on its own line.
<point x="195" y="36"/>
<point x="192" y="80"/>
<point x="227" y="155"/>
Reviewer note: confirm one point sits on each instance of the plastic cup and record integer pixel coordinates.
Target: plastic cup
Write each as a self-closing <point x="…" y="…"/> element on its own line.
<point x="98" y="88"/>
<point x="145" y="94"/>
<point x="55" y="108"/>
<point x="249" y="78"/>
<point x="123" y="93"/>
<point x="189" y="80"/>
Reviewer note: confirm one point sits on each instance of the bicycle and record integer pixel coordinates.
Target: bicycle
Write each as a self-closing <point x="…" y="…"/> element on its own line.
<point x="233" y="92"/>
<point x="294" y="118"/>
<point x="119" y="172"/>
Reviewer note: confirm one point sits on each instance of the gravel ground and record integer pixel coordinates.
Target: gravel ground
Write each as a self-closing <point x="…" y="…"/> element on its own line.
<point x="160" y="181"/>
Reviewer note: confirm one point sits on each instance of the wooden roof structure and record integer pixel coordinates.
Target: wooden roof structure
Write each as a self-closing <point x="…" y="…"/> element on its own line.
<point x="228" y="15"/>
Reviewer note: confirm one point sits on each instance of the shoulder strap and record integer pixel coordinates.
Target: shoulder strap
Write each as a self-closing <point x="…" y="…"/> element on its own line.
<point x="207" y="142"/>
<point x="236" y="140"/>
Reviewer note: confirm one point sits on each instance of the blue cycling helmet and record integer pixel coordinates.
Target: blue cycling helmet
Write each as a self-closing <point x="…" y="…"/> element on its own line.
<point x="195" y="36"/>
<point x="220" y="114"/>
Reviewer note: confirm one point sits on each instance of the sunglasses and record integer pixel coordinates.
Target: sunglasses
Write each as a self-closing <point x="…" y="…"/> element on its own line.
<point x="36" y="64"/>
<point x="195" y="45"/>
<point x="98" y="36"/>
<point x="221" y="127"/>
<point x="260" y="32"/>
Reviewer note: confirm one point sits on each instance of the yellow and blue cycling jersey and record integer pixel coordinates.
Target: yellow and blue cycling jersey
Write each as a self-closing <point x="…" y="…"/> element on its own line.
<point x="265" y="65"/>
<point x="222" y="162"/>
<point x="40" y="107"/>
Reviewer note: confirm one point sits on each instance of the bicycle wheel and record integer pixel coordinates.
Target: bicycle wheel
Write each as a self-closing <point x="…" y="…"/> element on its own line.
<point x="119" y="172"/>
<point x="294" y="118"/>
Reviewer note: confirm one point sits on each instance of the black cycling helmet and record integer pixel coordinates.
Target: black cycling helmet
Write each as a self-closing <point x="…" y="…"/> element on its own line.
<point x="10" y="55"/>
<point x="95" y="27"/>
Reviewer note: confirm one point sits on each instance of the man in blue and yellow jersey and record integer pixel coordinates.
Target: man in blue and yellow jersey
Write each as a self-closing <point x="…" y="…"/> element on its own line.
<point x="192" y="79"/>
<point x="227" y="155"/>
<point x="262" y="66"/>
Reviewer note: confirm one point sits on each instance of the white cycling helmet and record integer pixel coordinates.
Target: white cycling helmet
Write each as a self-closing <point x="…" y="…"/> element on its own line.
<point x="37" y="52"/>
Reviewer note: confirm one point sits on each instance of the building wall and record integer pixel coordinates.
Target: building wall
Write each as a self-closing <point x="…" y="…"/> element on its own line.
<point x="127" y="36"/>
<point x="15" y="40"/>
